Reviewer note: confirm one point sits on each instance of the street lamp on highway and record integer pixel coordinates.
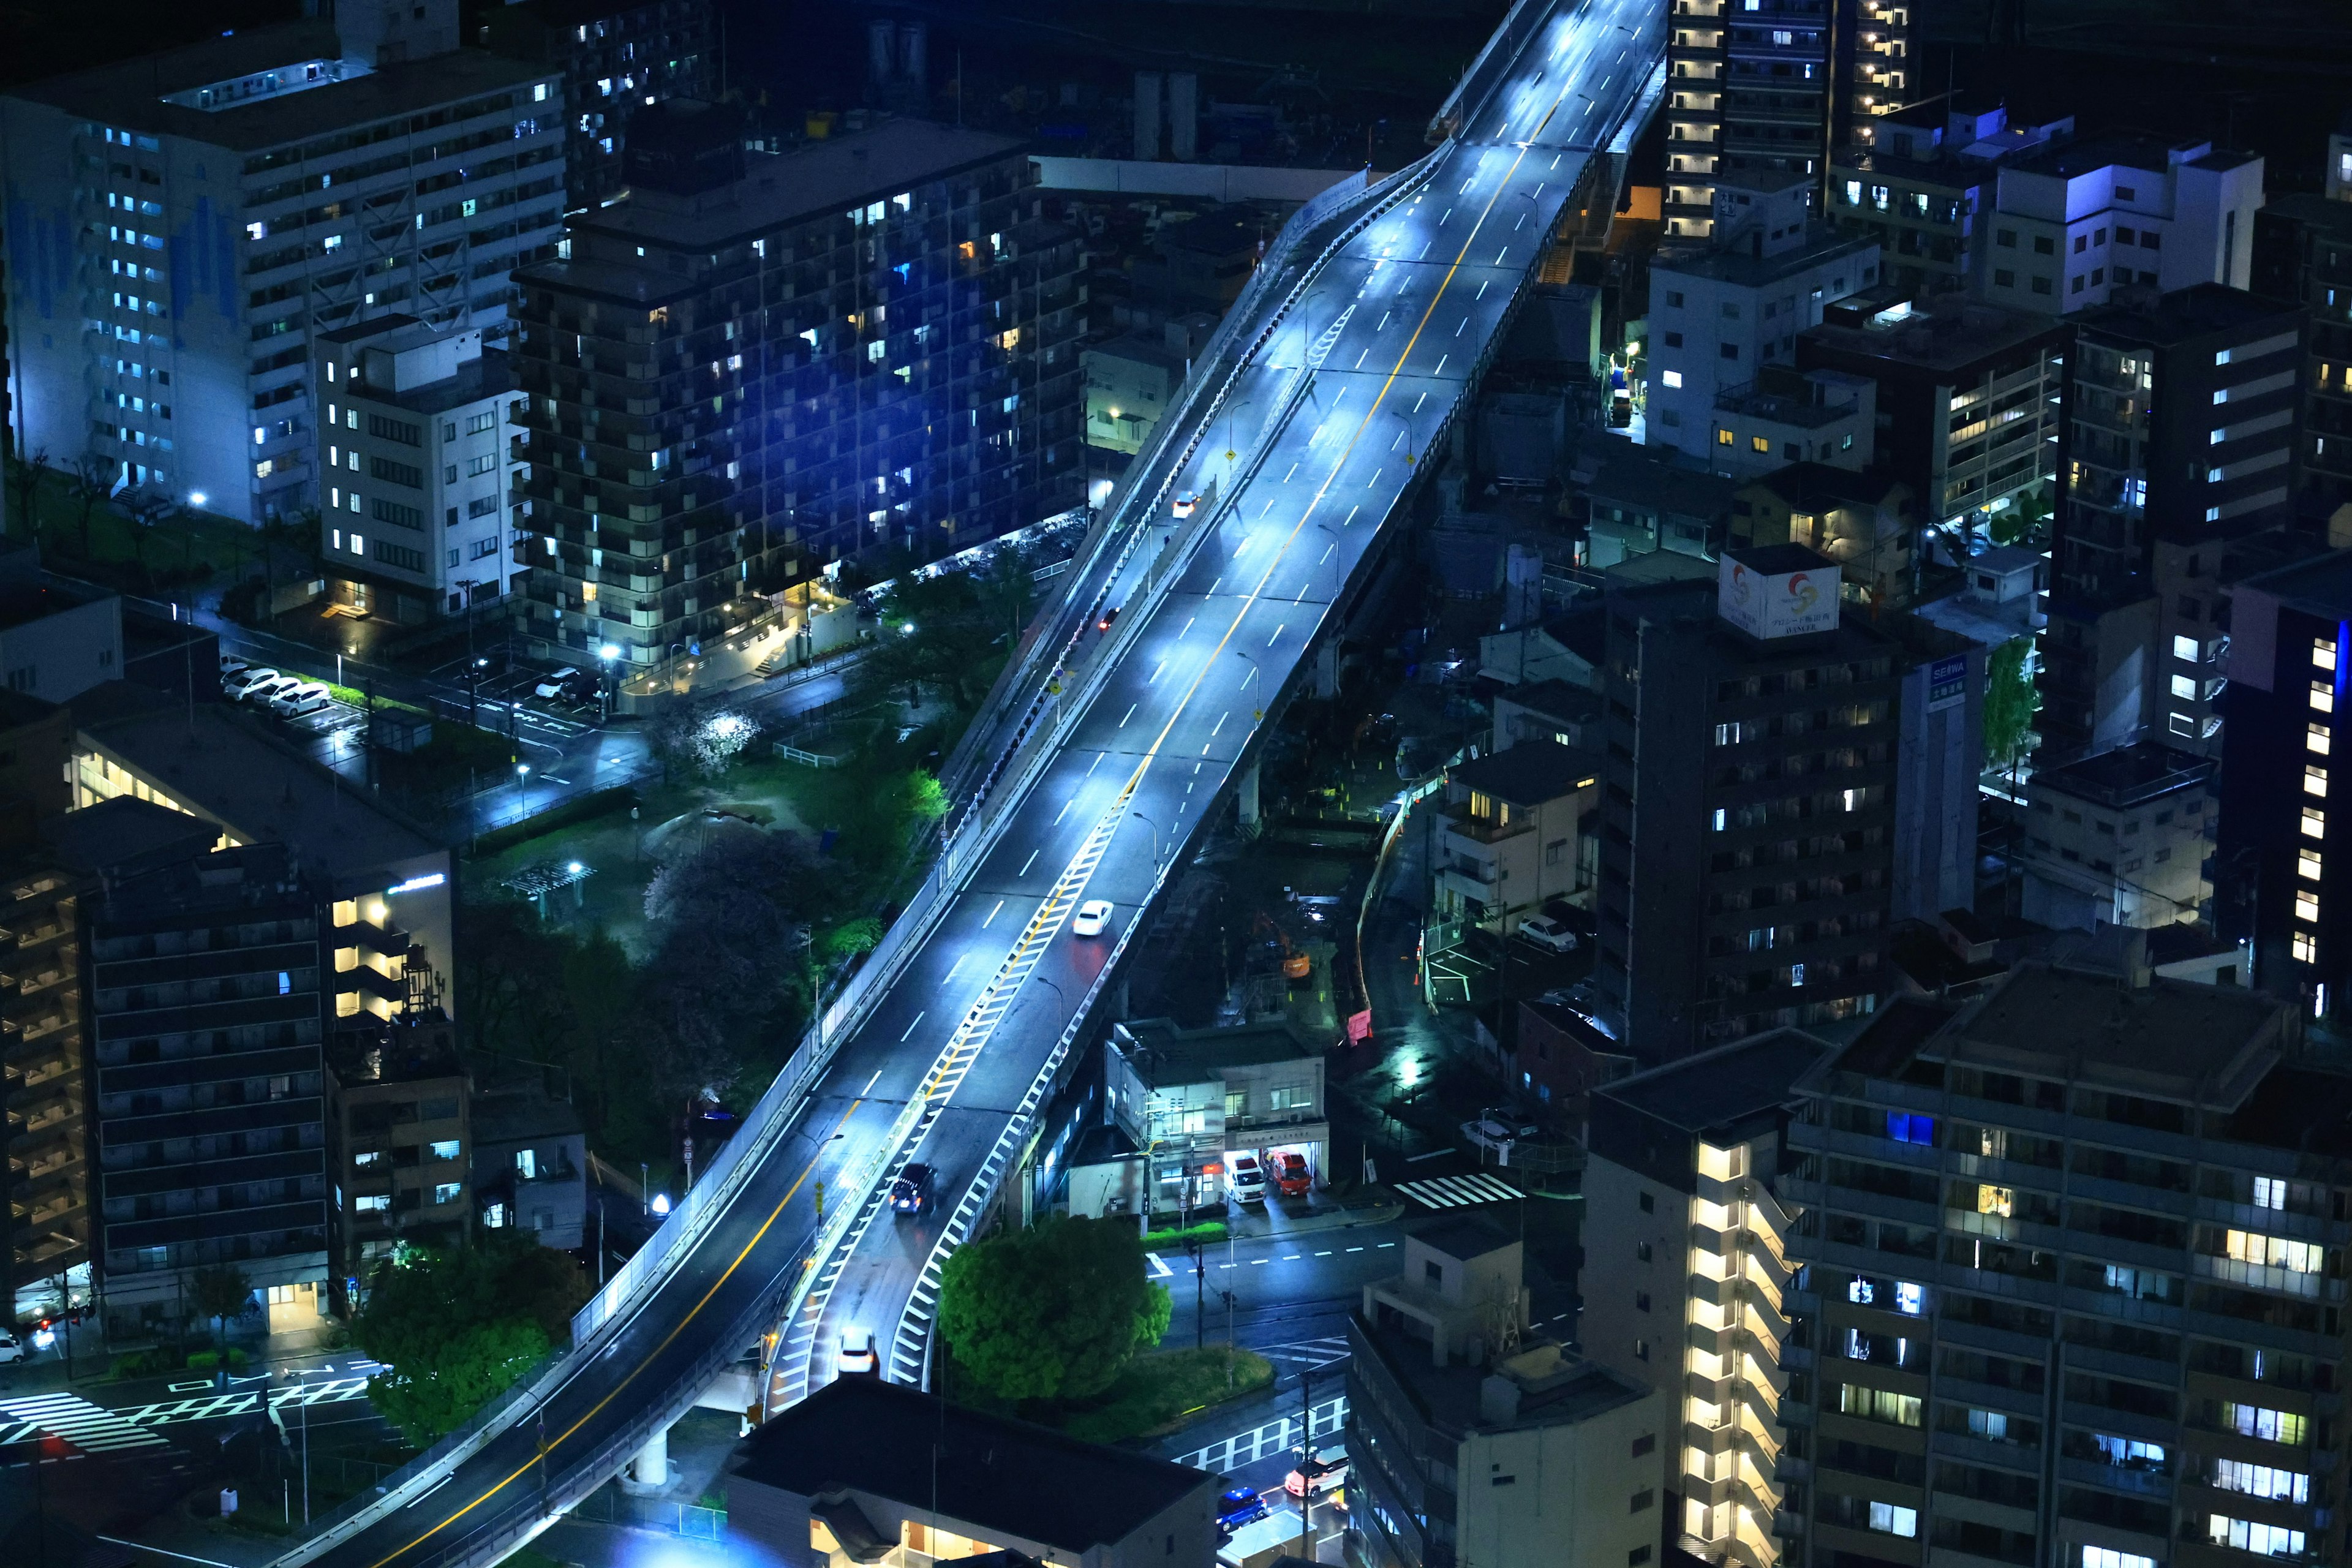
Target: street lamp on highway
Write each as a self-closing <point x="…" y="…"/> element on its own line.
<point x="1232" y="409"/>
<point x="1155" y="837"/>
<point x="1404" y="419"/>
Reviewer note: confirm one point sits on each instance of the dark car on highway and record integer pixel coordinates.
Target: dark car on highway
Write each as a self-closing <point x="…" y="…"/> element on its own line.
<point x="911" y="1192"/>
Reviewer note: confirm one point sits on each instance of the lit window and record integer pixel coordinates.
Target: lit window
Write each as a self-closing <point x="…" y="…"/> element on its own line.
<point x="2270" y="1192"/>
<point x="1723" y="437"/>
<point x="2323" y="653"/>
<point x="2306" y="904"/>
<point x="2184" y="688"/>
<point x="2261" y="1480"/>
<point x="2185" y="649"/>
<point x="1760" y="444"/>
<point x="1992" y="1200"/>
<point x="2307" y="864"/>
<point x="2276" y="1252"/>
<point x="1672" y="377"/>
<point x="2314" y="738"/>
<point x="445" y="1148"/>
<point x="2323" y="698"/>
<point x="446" y="1191"/>
<point x="372" y="1203"/>
<point x="2314" y="822"/>
<point x="2314" y="779"/>
<point x="1885" y="1517"/>
<point x="2269" y="1425"/>
<point x="2108" y="1557"/>
<point x="2262" y="1539"/>
<point x="2306" y="948"/>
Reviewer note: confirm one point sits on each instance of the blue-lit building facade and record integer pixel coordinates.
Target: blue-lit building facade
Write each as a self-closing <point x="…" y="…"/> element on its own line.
<point x="760" y="364"/>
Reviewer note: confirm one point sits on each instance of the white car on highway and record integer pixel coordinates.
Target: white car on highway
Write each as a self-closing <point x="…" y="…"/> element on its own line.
<point x="1092" y="916"/>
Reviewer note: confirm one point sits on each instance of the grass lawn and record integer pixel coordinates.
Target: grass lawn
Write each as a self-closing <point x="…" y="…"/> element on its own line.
<point x="1158" y="1392"/>
<point x="191" y="545"/>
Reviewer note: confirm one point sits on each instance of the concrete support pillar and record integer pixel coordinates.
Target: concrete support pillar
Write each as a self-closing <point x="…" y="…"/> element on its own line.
<point x="650" y="1469"/>
<point x="1245" y="796"/>
<point x="1327" y="669"/>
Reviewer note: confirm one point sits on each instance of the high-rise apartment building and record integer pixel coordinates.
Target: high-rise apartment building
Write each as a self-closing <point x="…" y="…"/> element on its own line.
<point x="1722" y="310"/>
<point x="615" y="58"/>
<point x="415" y="469"/>
<point x="2303" y="251"/>
<point x="1876" y="73"/>
<point x="2070" y="1259"/>
<point x="2071" y="226"/>
<point x="756" y="367"/>
<point x="2179" y="431"/>
<point x="1748" y="811"/>
<point x="181" y="228"/>
<point x="1748" y="92"/>
<point x="209" y="1012"/>
<point x="2285" y="842"/>
<point x="1690" y="1279"/>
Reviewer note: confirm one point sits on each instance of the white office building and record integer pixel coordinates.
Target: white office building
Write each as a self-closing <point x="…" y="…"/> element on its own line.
<point x="179" y="228"/>
<point x="416" y="468"/>
<point x="2071" y="226"/>
<point x="1721" y="313"/>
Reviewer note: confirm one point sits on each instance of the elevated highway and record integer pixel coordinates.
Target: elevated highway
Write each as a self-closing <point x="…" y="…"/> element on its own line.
<point x="1358" y="343"/>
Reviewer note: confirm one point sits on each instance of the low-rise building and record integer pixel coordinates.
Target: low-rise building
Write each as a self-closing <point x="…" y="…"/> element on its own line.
<point x="1918" y="185"/>
<point x="415" y="469"/>
<point x="400" y="1143"/>
<point x="1690" y="1281"/>
<point x="1788" y="415"/>
<point x="1639" y="499"/>
<point x="57" y="637"/>
<point x="531" y="1161"/>
<point x="1192" y="1099"/>
<point x="1558" y="711"/>
<point x="1562" y="1056"/>
<point x="2071" y="224"/>
<point x="1128" y="384"/>
<point x="1512" y="837"/>
<point x="867" y="1471"/>
<point x="2120" y="838"/>
<point x="1868" y="522"/>
<point x="1471" y="1441"/>
<point x="1719" y="314"/>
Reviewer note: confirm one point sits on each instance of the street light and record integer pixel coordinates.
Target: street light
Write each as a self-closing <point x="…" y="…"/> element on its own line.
<point x="1155" y="837"/>
<point x="1232" y="409"/>
<point x="608" y="653"/>
<point x="1398" y="415"/>
<point x="522" y="787"/>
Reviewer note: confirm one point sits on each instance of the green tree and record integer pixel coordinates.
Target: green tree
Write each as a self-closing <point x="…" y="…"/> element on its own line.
<point x="91" y="481"/>
<point x="942" y="632"/>
<point x="456" y="1328"/>
<point x="26" y="472"/>
<point x="1051" y="1313"/>
<point x="2008" y="703"/>
<point x="221" y="1293"/>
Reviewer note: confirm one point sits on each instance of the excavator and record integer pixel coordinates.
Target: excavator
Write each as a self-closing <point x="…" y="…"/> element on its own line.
<point x="1296" y="965"/>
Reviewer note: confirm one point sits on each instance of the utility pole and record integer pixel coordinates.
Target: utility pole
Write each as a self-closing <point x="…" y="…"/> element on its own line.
<point x="1199" y="1285"/>
<point x="1305" y="1467"/>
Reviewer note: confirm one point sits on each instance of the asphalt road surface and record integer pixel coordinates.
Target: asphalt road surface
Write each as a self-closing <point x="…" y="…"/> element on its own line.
<point x="1399" y="320"/>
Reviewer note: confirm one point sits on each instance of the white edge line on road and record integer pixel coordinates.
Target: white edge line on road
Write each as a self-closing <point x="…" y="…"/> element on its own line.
<point x="160" y="1551"/>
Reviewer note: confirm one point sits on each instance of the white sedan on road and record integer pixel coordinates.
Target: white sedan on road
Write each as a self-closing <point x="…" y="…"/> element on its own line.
<point x="1092" y="917"/>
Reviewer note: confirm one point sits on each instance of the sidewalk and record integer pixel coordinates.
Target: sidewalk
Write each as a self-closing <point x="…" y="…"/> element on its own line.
<point x="1317" y="1211"/>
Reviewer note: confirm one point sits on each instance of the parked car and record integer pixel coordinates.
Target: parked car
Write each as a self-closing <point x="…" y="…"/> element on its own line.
<point x="1496" y="1131"/>
<point x="286" y="698"/>
<point x="553" y="685"/>
<point x="304" y="706"/>
<point x="911" y="1192"/>
<point x="1249" y="1180"/>
<point x="238" y="686"/>
<point x="1320" y="1473"/>
<point x="1291" y="1177"/>
<point x="1239" y="1506"/>
<point x="1545" y="931"/>
<point x="261" y="692"/>
<point x="233" y="665"/>
<point x="13" y="1349"/>
<point x="857" y="1357"/>
<point x="1092" y="916"/>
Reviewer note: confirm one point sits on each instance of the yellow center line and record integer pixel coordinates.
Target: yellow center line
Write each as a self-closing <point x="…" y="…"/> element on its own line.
<point x="1054" y="899"/>
<point x="649" y="1360"/>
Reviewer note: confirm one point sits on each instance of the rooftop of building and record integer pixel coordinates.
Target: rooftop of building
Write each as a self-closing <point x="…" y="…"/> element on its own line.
<point x="1554" y="1387"/>
<point x="1001" y="1477"/>
<point x="243" y="877"/>
<point x="1783" y="395"/>
<point x="2321" y="586"/>
<point x="2308" y="207"/>
<point x="2128" y="776"/>
<point x="1465" y="1238"/>
<point x="1821" y="245"/>
<point x="2169" y="1040"/>
<point x="487" y="372"/>
<point x="1144" y="347"/>
<point x="1528" y="774"/>
<point x="222" y="764"/>
<point x="517" y="1109"/>
<point x="126" y="835"/>
<point x="423" y="1050"/>
<point x="129" y="94"/>
<point x="818" y="179"/>
<point x="2200" y="311"/>
<point x="1810" y="486"/>
<point x="28" y="593"/>
<point x="1561" y="699"/>
<point x="1643" y="476"/>
<point x="1166" y="1054"/>
<point x="1226" y="230"/>
<point x="1941" y="334"/>
<point x="2112" y="149"/>
<point x="1721" y="1087"/>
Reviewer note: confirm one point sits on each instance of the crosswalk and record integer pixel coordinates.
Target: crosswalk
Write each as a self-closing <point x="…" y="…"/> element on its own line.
<point x="1309" y="1354"/>
<point x="89" y="1427"/>
<point x="1271" y="1440"/>
<point x="94" y="1429"/>
<point x="1455" y="1192"/>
